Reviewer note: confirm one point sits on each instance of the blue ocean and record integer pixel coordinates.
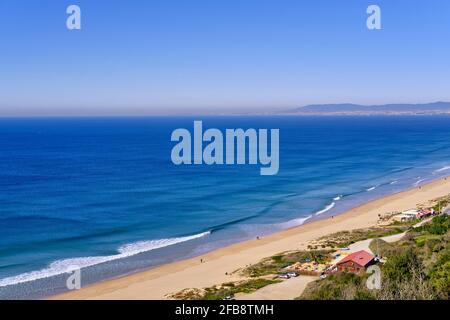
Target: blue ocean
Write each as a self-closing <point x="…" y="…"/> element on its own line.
<point x="104" y="195"/>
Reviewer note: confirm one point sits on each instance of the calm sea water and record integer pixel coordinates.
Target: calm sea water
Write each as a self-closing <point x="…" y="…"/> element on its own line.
<point x="103" y="194"/>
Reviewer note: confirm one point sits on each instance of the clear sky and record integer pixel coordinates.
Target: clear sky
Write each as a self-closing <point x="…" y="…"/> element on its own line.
<point x="186" y="56"/>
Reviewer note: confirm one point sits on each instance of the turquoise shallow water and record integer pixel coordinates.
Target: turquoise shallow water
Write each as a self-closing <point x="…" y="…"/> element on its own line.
<point x="102" y="193"/>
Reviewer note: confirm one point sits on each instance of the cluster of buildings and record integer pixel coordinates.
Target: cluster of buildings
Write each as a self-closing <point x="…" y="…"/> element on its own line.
<point x="413" y="214"/>
<point x="354" y="262"/>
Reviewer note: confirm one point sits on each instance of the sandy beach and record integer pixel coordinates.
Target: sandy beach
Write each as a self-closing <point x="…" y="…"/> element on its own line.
<point x="218" y="266"/>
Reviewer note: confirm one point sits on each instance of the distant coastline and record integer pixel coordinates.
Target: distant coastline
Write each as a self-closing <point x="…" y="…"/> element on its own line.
<point x="335" y="109"/>
<point x="349" y="109"/>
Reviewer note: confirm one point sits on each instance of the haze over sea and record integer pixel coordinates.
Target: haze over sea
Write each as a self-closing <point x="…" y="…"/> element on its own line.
<point x="103" y="194"/>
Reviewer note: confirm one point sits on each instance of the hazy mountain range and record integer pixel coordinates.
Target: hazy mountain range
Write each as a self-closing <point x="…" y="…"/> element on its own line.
<point x="355" y="109"/>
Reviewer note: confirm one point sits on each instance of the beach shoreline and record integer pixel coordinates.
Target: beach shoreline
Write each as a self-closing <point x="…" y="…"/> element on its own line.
<point x="218" y="266"/>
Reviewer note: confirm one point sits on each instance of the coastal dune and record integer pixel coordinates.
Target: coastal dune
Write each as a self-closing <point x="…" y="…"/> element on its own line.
<point x="218" y="266"/>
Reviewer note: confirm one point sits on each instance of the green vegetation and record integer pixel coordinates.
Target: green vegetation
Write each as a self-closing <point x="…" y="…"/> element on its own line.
<point x="421" y="240"/>
<point x="441" y="203"/>
<point x="346" y="238"/>
<point x="229" y="289"/>
<point x="417" y="267"/>
<point x="339" y="286"/>
<point x="381" y="247"/>
<point x="272" y="265"/>
<point x="438" y="226"/>
<point x="440" y="274"/>
<point x="261" y="275"/>
<point x="224" y="290"/>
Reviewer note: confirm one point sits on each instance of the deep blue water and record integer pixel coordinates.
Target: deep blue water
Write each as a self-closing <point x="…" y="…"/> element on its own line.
<point x="96" y="192"/>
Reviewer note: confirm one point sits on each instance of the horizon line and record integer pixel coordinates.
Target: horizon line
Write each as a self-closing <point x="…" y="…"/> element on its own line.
<point x="232" y="112"/>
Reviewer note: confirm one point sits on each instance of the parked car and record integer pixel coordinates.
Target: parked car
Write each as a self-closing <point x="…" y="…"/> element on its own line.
<point x="284" y="276"/>
<point x="292" y="274"/>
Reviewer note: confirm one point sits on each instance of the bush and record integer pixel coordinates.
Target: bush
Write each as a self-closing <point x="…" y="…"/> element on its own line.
<point x="404" y="278"/>
<point x="340" y="286"/>
<point x="440" y="279"/>
<point x="438" y="226"/>
<point x="440" y="275"/>
<point x="399" y="267"/>
<point x="421" y="240"/>
<point x="381" y="247"/>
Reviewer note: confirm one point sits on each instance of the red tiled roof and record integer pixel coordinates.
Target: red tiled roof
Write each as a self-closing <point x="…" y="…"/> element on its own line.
<point x="361" y="258"/>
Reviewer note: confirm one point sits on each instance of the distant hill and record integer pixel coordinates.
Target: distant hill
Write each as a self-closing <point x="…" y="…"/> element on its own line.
<point x="353" y="109"/>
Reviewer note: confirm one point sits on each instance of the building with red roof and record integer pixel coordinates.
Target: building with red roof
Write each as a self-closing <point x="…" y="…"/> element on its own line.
<point x="356" y="261"/>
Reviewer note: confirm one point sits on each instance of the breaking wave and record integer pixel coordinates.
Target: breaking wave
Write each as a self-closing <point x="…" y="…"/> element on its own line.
<point x="418" y="182"/>
<point x="327" y="208"/>
<point x="293" y="223"/>
<point x="442" y="169"/>
<point x="67" y="265"/>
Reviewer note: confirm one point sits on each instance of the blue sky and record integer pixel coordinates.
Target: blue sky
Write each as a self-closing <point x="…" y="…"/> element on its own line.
<point x="178" y="56"/>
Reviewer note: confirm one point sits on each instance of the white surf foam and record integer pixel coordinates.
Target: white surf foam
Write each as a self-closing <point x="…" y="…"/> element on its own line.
<point x="419" y="182"/>
<point x="394" y="182"/>
<point x="327" y="208"/>
<point x="66" y="265"/>
<point x="442" y="169"/>
<point x="294" y="222"/>
<point x="371" y="189"/>
<point x="337" y="198"/>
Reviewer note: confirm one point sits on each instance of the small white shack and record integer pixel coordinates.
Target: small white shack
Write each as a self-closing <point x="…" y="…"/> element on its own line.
<point x="407" y="215"/>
